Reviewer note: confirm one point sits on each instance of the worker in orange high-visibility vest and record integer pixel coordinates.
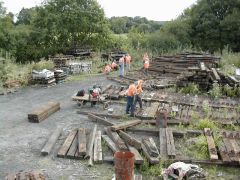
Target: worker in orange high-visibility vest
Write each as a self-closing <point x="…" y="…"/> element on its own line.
<point x="130" y="98"/>
<point x="137" y="98"/>
<point x="121" y="66"/>
<point x="128" y="62"/>
<point x="114" y="65"/>
<point x="146" y="67"/>
<point x="107" y="69"/>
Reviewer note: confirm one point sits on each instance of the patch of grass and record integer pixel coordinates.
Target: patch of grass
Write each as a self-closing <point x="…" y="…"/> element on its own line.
<point x="205" y="123"/>
<point x="190" y="89"/>
<point x="43" y="64"/>
<point x="151" y="170"/>
<point x="199" y="150"/>
<point x="215" y="92"/>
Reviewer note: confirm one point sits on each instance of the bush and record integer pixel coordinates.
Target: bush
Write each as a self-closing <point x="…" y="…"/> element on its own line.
<point x="206" y="123"/>
<point x="190" y="89"/>
<point x="215" y="92"/>
<point x="43" y="64"/>
<point x="200" y="149"/>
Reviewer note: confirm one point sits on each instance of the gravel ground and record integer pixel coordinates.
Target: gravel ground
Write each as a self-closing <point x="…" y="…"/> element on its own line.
<point x="21" y="141"/>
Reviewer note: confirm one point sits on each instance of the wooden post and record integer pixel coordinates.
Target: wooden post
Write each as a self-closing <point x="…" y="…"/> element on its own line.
<point x="110" y="143"/>
<point x="130" y="140"/>
<point x="97" y="156"/>
<point x="125" y="125"/>
<point x="82" y="142"/>
<point x="95" y="118"/>
<point x="116" y="138"/>
<point x="90" y="143"/>
<point x="51" y="141"/>
<point x="151" y="147"/>
<point x="211" y="145"/>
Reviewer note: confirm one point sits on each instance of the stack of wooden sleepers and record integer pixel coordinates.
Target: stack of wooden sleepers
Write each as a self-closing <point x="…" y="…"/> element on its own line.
<point x="23" y="175"/>
<point x="180" y="62"/>
<point x="60" y="76"/>
<point x="60" y="62"/>
<point x="44" y="111"/>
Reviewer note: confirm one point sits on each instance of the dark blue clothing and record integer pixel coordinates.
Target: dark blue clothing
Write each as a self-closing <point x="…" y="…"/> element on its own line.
<point x="130" y="105"/>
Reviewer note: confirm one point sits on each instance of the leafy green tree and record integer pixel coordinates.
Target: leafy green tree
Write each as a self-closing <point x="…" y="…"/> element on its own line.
<point x="26" y="16"/>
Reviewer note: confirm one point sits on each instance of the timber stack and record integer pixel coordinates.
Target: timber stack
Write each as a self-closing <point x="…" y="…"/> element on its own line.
<point x="42" y="112"/>
<point x="180" y="62"/>
<point x="44" y="78"/>
<point x="60" y="76"/>
<point x="23" y="175"/>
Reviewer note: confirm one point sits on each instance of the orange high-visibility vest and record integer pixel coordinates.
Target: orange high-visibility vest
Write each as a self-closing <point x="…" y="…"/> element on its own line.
<point x="107" y="69"/>
<point x="139" y="87"/>
<point x="146" y="64"/>
<point x="131" y="90"/>
<point x="128" y="59"/>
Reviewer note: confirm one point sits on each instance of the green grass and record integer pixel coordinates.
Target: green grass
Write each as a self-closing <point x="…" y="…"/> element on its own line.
<point x="151" y="170"/>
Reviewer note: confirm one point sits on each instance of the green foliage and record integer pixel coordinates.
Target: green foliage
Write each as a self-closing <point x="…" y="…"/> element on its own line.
<point x="215" y="92"/>
<point x="205" y="123"/>
<point x="190" y="89"/>
<point x="151" y="170"/>
<point x="199" y="150"/>
<point x="43" y="64"/>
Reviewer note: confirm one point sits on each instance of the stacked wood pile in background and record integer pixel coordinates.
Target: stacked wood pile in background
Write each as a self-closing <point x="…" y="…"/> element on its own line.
<point x="43" y="112"/>
<point x="60" y="76"/>
<point x="180" y="62"/>
<point x="45" y="78"/>
<point x="61" y="61"/>
<point x="23" y="175"/>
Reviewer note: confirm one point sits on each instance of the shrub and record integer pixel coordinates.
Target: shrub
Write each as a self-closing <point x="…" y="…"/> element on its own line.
<point x="43" y="64"/>
<point x="206" y="123"/>
<point x="200" y="149"/>
<point x="215" y="92"/>
<point x="190" y="89"/>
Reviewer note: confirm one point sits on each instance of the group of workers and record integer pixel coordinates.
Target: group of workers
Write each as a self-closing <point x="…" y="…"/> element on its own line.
<point x="125" y="62"/>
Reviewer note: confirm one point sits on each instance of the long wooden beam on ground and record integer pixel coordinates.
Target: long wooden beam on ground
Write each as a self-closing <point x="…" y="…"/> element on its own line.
<point x="116" y="139"/>
<point x="130" y="140"/>
<point x="97" y="156"/>
<point x="101" y="120"/>
<point x="110" y="143"/>
<point x="90" y="143"/>
<point x="82" y="142"/>
<point x="100" y="114"/>
<point x="66" y="145"/>
<point x="125" y="125"/>
<point x="170" y="144"/>
<point x="151" y="147"/>
<point x="137" y="156"/>
<point x="211" y="145"/>
<point x="51" y="141"/>
<point x="152" y="160"/>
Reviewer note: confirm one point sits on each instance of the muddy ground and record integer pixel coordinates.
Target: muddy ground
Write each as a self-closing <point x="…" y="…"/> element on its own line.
<point x="21" y="141"/>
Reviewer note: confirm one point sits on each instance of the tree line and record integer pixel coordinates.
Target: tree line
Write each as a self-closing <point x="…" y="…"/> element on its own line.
<point x="57" y="25"/>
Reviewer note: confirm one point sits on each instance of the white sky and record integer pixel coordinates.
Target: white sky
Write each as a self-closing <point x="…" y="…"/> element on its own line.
<point x="159" y="10"/>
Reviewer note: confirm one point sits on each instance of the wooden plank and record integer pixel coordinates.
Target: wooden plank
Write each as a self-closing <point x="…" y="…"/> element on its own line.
<point x="91" y="143"/>
<point x="82" y="142"/>
<point x="66" y="145"/>
<point x="223" y="153"/>
<point x="155" y="132"/>
<point x="116" y="139"/>
<point x="51" y="142"/>
<point x="72" y="150"/>
<point x="170" y="143"/>
<point x="130" y="140"/>
<point x="110" y="143"/>
<point x="163" y="142"/>
<point x="97" y="155"/>
<point x="236" y="148"/>
<point x="151" y="147"/>
<point x="229" y="149"/>
<point x="101" y="114"/>
<point x="125" y="125"/>
<point x="152" y="160"/>
<point x="211" y="145"/>
<point x="138" y="158"/>
<point x="98" y="119"/>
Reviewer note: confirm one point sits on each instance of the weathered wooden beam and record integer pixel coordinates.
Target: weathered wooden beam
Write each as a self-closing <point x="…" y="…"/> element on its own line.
<point x="151" y="147"/>
<point x="101" y="114"/>
<point x="217" y="77"/>
<point x="110" y="143"/>
<point x="51" y="142"/>
<point x="163" y="143"/>
<point x="130" y="140"/>
<point x="72" y="150"/>
<point x="152" y="160"/>
<point x="211" y="145"/>
<point x="97" y="156"/>
<point x="66" y="145"/>
<point x="98" y="119"/>
<point x="137" y="156"/>
<point x="154" y="132"/>
<point x="90" y="143"/>
<point x="170" y="143"/>
<point x="116" y="139"/>
<point x="82" y="142"/>
<point x="125" y="125"/>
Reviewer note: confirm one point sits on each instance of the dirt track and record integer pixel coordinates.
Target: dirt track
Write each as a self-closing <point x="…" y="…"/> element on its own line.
<point x="21" y="141"/>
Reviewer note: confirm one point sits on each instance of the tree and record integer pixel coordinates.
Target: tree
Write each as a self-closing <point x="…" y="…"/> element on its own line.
<point x="26" y="16"/>
<point x="207" y="20"/>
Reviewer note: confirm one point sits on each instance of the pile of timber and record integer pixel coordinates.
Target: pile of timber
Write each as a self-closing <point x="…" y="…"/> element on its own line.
<point x="45" y="78"/>
<point x="205" y="78"/>
<point x="24" y="175"/>
<point x="114" y="92"/>
<point x="44" y="111"/>
<point x="61" y="61"/>
<point x="180" y="62"/>
<point x="60" y="76"/>
<point x="80" y="52"/>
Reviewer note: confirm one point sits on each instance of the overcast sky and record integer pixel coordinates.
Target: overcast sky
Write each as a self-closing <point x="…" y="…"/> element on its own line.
<point x="159" y="10"/>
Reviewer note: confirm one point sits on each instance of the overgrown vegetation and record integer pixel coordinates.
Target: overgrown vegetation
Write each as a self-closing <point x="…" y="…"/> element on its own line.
<point x="151" y="170"/>
<point x="190" y="89"/>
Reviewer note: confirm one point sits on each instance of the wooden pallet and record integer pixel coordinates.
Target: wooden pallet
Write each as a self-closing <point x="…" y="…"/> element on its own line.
<point x="24" y="175"/>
